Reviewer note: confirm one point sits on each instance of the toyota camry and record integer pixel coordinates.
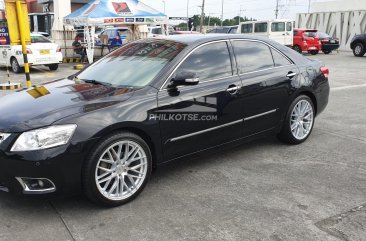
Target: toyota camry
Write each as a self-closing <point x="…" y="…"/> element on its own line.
<point x="103" y="130"/>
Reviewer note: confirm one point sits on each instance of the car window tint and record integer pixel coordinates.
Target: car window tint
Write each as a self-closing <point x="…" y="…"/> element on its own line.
<point x="40" y="39"/>
<point x="260" y="27"/>
<point x="278" y="27"/>
<point x="288" y="26"/>
<point x="247" y="28"/>
<point x="252" y="56"/>
<point x="279" y="59"/>
<point x="209" y="62"/>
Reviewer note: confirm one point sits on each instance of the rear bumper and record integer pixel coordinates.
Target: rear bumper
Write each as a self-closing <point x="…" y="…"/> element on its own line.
<point x="42" y="60"/>
<point x="330" y="47"/>
<point x="322" y="96"/>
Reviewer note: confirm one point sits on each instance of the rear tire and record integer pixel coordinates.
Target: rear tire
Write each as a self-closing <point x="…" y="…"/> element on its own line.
<point x="327" y="51"/>
<point x="53" y="67"/>
<point x="117" y="169"/>
<point x="299" y="121"/>
<point x="314" y="52"/>
<point x="359" y="50"/>
<point x="15" y="65"/>
<point x="297" y="48"/>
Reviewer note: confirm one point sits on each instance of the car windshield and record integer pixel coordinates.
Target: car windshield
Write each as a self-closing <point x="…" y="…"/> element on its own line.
<point x="39" y="39"/>
<point x="134" y="65"/>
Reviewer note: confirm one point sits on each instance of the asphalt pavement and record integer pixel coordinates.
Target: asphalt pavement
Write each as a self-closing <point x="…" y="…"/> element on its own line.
<point x="263" y="190"/>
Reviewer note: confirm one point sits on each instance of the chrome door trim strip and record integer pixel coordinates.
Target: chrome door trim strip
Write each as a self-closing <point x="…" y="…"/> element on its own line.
<point x="260" y="115"/>
<point x="205" y="131"/>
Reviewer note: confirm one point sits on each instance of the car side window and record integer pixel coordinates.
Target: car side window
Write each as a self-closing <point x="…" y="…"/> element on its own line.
<point x="209" y="62"/>
<point x="296" y="33"/>
<point x="288" y="26"/>
<point x="260" y="27"/>
<point x="252" y="56"/>
<point x="247" y="28"/>
<point x="279" y="59"/>
<point x="278" y="27"/>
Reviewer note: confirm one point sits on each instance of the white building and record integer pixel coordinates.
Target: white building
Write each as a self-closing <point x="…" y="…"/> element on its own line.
<point x="339" y="18"/>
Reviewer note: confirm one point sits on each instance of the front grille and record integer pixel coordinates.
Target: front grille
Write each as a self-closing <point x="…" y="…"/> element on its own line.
<point x="3" y="137"/>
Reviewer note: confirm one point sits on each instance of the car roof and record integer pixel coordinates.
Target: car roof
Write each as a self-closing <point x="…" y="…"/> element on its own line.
<point x="193" y="39"/>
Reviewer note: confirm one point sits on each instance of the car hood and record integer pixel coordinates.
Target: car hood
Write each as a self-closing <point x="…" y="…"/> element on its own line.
<point x="43" y="105"/>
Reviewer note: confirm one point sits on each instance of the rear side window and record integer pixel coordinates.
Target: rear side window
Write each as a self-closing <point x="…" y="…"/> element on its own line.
<point x="209" y="62"/>
<point x="296" y="33"/>
<point x="261" y="27"/>
<point x="279" y="60"/>
<point x="278" y="27"/>
<point x="247" y="28"/>
<point x="288" y="26"/>
<point x="252" y="56"/>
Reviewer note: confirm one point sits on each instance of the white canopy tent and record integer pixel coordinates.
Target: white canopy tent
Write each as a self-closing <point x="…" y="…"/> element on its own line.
<point x="132" y="13"/>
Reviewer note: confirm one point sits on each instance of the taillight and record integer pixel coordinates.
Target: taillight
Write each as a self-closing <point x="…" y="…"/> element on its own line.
<point x="29" y="51"/>
<point x="325" y="71"/>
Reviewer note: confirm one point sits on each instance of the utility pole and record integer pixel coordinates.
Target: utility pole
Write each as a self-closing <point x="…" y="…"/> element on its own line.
<point x="277" y="6"/>
<point x="222" y="13"/>
<point x="202" y="16"/>
<point x="241" y="10"/>
<point x="188" y="15"/>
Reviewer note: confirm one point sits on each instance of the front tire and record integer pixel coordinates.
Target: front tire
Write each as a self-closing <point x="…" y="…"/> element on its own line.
<point x="297" y="48"/>
<point x="117" y="170"/>
<point x="359" y="50"/>
<point x="53" y="67"/>
<point x="299" y="121"/>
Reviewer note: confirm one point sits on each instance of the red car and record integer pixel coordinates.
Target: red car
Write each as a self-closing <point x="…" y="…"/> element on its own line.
<point x="307" y="40"/>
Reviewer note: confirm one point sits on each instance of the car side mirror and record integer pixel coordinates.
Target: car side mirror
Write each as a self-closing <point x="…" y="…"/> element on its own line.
<point x="184" y="79"/>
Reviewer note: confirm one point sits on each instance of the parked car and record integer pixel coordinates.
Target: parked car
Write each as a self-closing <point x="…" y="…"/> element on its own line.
<point x="184" y="32"/>
<point x="279" y="30"/>
<point x="45" y="34"/>
<point x="116" y="36"/>
<point x="103" y="130"/>
<point x="300" y="43"/>
<point x="226" y="29"/>
<point x="329" y="43"/>
<point x="41" y="51"/>
<point x="311" y="38"/>
<point x="358" y="45"/>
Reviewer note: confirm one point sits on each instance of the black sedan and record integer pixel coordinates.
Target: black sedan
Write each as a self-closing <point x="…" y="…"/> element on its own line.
<point x="358" y="45"/>
<point x="329" y="43"/>
<point x="104" y="129"/>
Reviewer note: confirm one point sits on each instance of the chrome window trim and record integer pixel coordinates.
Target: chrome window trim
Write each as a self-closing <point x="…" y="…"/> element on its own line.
<point x="205" y="131"/>
<point x="270" y="46"/>
<point x="260" y="115"/>
<point x="189" y="54"/>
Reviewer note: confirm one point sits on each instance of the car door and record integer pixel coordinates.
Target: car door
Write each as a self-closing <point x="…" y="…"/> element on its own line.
<point x="266" y="84"/>
<point x="195" y="118"/>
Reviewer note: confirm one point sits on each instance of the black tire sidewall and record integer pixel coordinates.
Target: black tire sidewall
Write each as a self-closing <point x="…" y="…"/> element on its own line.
<point x="363" y="50"/>
<point x="297" y="48"/>
<point x="88" y="176"/>
<point x="286" y="133"/>
<point x="16" y="62"/>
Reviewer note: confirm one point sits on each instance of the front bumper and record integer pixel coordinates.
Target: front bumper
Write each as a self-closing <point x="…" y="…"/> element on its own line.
<point x="61" y="165"/>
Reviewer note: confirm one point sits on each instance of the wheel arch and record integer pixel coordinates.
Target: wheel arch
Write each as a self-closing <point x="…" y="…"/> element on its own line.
<point x="312" y="97"/>
<point x="133" y="129"/>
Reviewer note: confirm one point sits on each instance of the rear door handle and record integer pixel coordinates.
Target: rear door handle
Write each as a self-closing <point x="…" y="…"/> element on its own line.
<point x="291" y="75"/>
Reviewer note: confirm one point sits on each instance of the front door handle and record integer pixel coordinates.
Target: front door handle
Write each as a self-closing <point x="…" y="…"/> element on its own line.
<point x="233" y="89"/>
<point x="291" y="75"/>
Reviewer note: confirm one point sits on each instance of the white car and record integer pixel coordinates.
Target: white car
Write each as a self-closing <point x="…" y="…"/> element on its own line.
<point x="41" y="52"/>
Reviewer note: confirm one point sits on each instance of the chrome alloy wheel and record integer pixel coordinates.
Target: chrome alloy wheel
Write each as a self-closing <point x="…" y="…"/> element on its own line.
<point x="121" y="170"/>
<point x="302" y="118"/>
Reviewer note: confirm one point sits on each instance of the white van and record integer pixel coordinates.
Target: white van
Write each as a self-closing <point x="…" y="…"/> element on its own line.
<point x="280" y="30"/>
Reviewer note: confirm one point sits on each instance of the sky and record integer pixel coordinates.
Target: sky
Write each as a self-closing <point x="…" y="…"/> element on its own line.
<point x="258" y="9"/>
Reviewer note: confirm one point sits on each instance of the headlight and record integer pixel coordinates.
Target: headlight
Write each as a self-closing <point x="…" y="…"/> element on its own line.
<point x="44" y="138"/>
